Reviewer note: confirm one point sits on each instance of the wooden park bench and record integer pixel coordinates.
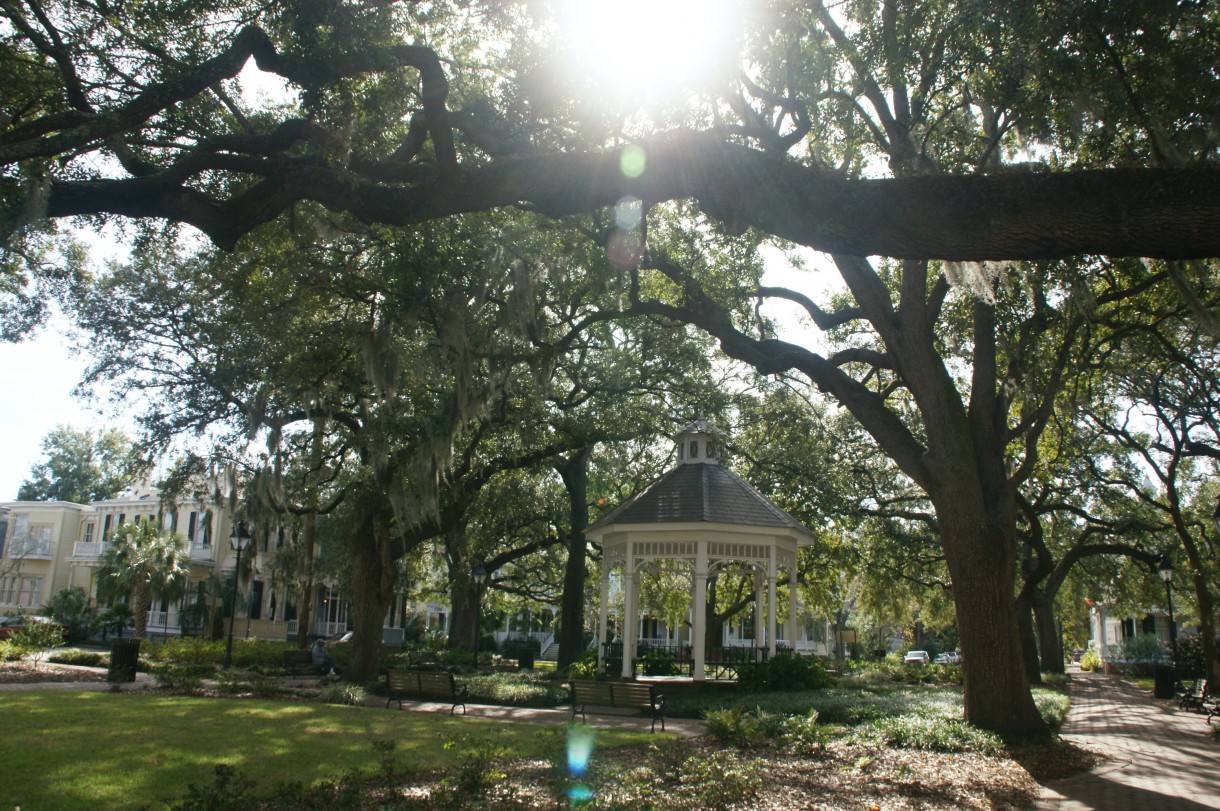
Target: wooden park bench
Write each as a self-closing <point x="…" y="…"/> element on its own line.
<point x="425" y="684"/>
<point x="619" y="695"/>
<point x="300" y="663"/>
<point x="1197" y="697"/>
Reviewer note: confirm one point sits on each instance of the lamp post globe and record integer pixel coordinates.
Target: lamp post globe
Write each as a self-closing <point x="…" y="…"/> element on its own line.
<point x="238" y="542"/>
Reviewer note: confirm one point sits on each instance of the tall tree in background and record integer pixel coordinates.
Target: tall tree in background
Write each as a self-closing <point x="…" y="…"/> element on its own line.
<point x="82" y="466"/>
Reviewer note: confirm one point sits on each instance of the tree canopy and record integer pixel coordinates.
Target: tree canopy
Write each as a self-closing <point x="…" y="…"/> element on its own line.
<point x="82" y="466"/>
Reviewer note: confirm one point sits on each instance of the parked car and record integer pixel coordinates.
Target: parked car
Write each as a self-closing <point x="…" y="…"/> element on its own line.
<point x="917" y="657"/>
<point x="949" y="658"/>
<point x="14" y="625"/>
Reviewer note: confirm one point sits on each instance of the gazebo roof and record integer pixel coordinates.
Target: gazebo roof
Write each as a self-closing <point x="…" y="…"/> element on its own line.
<point x="694" y="493"/>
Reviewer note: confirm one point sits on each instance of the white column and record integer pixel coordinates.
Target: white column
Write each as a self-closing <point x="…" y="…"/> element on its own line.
<point x="698" y="625"/>
<point x="772" y="580"/>
<point x="759" y="609"/>
<point x="630" y="621"/>
<point x="792" y="627"/>
<point x="603" y="613"/>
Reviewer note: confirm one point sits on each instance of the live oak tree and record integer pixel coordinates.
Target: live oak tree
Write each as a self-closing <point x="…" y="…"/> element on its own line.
<point x="82" y="466"/>
<point x="131" y="111"/>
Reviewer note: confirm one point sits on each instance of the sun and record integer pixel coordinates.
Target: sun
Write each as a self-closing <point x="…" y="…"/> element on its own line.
<point x="650" y="48"/>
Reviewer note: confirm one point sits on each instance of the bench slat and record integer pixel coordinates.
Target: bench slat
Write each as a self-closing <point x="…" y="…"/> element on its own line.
<point x="424" y="684"/>
<point x="619" y="695"/>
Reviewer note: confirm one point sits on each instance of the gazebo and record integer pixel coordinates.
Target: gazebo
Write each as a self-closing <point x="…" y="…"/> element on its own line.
<point x="707" y="518"/>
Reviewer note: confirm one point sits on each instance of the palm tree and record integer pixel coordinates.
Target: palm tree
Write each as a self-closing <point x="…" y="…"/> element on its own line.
<point x="141" y="564"/>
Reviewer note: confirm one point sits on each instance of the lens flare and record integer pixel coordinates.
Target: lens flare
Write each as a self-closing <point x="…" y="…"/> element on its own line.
<point x="580" y="749"/>
<point x="629" y="213"/>
<point x="632" y="160"/>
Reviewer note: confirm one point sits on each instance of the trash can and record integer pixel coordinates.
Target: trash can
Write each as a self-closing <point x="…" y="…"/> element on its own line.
<point x="525" y="658"/>
<point x="124" y="655"/>
<point x="1165" y="681"/>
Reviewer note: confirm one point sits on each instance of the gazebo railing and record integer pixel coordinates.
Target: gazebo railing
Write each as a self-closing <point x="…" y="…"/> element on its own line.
<point x="672" y="660"/>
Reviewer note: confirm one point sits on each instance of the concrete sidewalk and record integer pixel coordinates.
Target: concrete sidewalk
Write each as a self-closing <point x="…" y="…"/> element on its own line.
<point x="1160" y="757"/>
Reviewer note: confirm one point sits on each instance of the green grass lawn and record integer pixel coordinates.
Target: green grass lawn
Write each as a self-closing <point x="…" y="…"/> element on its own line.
<point x="100" y="751"/>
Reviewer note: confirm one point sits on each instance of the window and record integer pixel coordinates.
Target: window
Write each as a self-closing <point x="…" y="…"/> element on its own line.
<point x="694" y="449"/>
<point x="204" y="533"/>
<point x="106" y="526"/>
<point x="89" y="532"/>
<point x="30" y="595"/>
<point x="190" y="526"/>
<point x="256" y="600"/>
<point x="7" y="586"/>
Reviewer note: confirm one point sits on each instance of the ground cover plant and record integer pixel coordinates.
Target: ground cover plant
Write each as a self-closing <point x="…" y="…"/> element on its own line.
<point x="100" y="751"/>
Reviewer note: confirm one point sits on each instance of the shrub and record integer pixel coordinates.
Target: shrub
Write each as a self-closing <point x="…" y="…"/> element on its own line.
<point x="182" y="678"/>
<point x="514" y="690"/>
<point x="1053" y="707"/>
<point x="76" y="656"/>
<point x="585" y="667"/>
<point x="786" y="671"/>
<point x="659" y="663"/>
<point x="1090" y="660"/>
<point x="351" y="694"/>
<point x="931" y="734"/>
<point x="36" y="639"/>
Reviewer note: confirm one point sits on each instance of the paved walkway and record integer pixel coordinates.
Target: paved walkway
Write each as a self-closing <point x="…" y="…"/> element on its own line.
<point x="1160" y="757"/>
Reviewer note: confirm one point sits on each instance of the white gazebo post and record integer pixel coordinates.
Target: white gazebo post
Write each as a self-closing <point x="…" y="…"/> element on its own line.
<point x="603" y="614"/>
<point x="772" y="581"/>
<point x="699" y="621"/>
<point x="630" y="620"/>
<point x="759" y="611"/>
<point x="791" y="628"/>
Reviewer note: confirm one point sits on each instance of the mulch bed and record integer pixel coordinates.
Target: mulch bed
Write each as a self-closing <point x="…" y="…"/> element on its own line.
<point x="47" y="672"/>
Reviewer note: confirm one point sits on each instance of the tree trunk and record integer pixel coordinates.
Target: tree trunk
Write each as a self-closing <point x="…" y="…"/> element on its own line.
<point x="142" y="598"/>
<point x="373" y="576"/>
<point x="575" y="474"/>
<point x="982" y="563"/>
<point x="464" y="624"/>
<point x="1049" y="639"/>
<point x="305" y="611"/>
<point x="309" y="535"/>
<point x="1029" y="643"/>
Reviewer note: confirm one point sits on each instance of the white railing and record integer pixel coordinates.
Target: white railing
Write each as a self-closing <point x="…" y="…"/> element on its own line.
<point x="91" y="550"/>
<point x="330" y="628"/>
<point x="162" y="620"/>
<point x="202" y="552"/>
<point x="293" y="627"/>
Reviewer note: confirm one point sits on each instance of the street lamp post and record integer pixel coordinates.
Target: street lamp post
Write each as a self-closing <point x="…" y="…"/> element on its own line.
<point x="238" y="541"/>
<point x="1166" y="571"/>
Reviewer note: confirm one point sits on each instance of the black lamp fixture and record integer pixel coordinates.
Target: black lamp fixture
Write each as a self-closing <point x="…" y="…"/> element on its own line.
<point x="1165" y="569"/>
<point x="239" y="540"/>
<point x="480" y="574"/>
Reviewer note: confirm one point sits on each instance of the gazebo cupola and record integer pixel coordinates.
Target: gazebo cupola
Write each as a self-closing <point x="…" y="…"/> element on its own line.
<point x="706" y="518"/>
<point x="699" y="444"/>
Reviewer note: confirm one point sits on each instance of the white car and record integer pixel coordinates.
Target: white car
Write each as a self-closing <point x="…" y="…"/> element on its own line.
<point x="950" y="658"/>
<point x="917" y="657"/>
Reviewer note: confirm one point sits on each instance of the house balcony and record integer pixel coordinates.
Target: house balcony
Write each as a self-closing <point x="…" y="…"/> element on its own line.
<point x="82" y="550"/>
<point x="201" y="553"/>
